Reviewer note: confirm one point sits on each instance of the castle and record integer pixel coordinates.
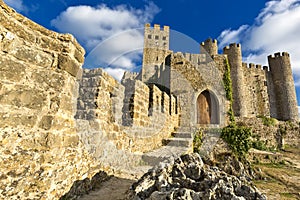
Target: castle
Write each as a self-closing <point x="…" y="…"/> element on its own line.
<point x="60" y="124"/>
<point x="197" y="80"/>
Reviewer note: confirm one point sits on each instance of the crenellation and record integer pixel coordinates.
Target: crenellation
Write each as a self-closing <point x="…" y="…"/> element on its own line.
<point x="78" y="121"/>
<point x="157" y="27"/>
<point x="251" y="65"/>
<point x="210" y="46"/>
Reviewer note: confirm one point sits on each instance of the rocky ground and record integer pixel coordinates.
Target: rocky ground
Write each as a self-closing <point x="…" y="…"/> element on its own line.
<point x="189" y="178"/>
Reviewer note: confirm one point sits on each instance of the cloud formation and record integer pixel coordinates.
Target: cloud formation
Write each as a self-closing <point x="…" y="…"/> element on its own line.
<point x="112" y="36"/>
<point x="17" y="5"/>
<point x="276" y="29"/>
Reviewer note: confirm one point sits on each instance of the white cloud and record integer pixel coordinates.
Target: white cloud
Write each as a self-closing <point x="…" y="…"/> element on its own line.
<point x="276" y="29"/>
<point x="230" y="36"/>
<point x="17" y="5"/>
<point x="112" y="35"/>
<point x="117" y="73"/>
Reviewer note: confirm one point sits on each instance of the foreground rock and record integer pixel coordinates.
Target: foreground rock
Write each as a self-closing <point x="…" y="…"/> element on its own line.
<point x="189" y="178"/>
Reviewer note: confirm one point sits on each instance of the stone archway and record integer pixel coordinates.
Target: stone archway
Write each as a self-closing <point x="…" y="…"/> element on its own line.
<point x="207" y="108"/>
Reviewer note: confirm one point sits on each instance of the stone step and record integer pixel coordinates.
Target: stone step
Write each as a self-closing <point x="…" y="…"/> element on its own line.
<point x="182" y="135"/>
<point x="184" y="129"/>
<point x="180" y="142"/>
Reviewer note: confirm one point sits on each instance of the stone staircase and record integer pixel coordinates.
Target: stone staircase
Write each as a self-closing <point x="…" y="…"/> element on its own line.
<point x="180" y="143"/>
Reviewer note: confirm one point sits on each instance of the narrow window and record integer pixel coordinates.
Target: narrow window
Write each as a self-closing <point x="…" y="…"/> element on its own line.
<point x="156" y="37"/>
<point x="149" y="36"/>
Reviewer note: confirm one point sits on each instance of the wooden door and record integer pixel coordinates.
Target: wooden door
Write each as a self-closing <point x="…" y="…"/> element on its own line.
<point x="204" y="108"/>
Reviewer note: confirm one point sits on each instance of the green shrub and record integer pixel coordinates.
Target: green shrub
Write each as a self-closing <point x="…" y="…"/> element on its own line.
<point x="237" y="138"/>
<point x="228" y="89"/>
<point x="198" y="140"/>
<point x="268" y="121"/>
<point x="260" y="145"/>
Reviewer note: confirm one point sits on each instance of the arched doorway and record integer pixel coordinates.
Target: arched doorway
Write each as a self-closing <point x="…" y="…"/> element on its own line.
<point x="207" y="108"/>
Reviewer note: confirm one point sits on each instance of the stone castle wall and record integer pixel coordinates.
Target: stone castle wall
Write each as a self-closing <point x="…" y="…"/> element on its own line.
<point x="131" y="115"/>
<point x="40" y="152"/>
<point x="190" y="76"/>
<point x="59" y="123"/>
<point x="256" y="90"/>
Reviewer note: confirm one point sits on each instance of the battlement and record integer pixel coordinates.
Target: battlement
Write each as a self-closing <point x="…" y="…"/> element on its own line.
<point x="231" y="46"/>
<point x="157" y="27"/>
<point x="195" y="58"/>
<point x="209" y="40"/>
<point x="279" y="55"/>
<point x="254" y="66"/>
<point x="211" y="46"/>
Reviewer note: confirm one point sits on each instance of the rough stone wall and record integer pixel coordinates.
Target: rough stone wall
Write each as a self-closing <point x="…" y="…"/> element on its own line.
<point x="234" y="54"/>
<point x="190" y="77"/>
<point x="40" y="152"/>
<point x="97" y="111"/>
<point x="135" y="110"/>
<point x="273" y="136"/>
<point x="282" y="82"/>
<point x="256" y="91"/>
<point x="210" y="46"/>
<point x="156" y="69"/>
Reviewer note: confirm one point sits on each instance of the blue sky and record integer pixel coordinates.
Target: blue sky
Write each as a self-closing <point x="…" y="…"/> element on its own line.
<point x="262" y="27"/>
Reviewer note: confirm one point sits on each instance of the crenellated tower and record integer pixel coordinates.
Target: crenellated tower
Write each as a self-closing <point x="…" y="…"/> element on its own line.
<point x="156" y="49"/>
<point x="282" y="84"/>
<point x="234" y="55"/>
<point x="210" y="46"/>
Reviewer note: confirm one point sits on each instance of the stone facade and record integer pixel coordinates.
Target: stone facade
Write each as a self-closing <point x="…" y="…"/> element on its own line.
<point x="60" y="124"/>
<point x="40" y="152"/>
<point x="257" y="90"/>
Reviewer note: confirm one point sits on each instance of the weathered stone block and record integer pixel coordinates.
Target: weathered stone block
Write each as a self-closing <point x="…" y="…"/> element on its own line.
<point x="46" y="122"/>
<point x="11" y="69"/>
<point x="29" y="54"/>
<point x="14" y="120"/>
<point x="65" y="62"/>
<point x="21" y="97"/>
<point x="48" y="79"/>
<point x="71" y="140"/>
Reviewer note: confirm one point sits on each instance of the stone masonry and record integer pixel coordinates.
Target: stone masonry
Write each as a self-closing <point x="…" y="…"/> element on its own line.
<point x="257" y="91"/>
<point x="60" y="124"/>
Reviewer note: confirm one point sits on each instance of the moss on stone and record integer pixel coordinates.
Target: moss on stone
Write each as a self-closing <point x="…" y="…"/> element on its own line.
<point x="228" y="89"/>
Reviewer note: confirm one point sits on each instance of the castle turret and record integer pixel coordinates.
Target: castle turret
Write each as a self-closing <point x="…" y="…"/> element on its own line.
<point x="234" y="54"/>
<point x="210" y="46"/>
<point x="156" y="49"/>
<point x="283" y="85"/>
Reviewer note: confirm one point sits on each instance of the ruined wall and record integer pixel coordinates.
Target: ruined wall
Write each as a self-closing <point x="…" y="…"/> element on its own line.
<point x="256" y="91"/>
<point x="40" y="152"/>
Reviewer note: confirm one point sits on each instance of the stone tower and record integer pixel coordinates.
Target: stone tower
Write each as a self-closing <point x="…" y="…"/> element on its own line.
<point x="156" y="48"/>
<point x="283" y="86"/>
<point x="210" y="46"/>
<point x="234" y="55"/>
